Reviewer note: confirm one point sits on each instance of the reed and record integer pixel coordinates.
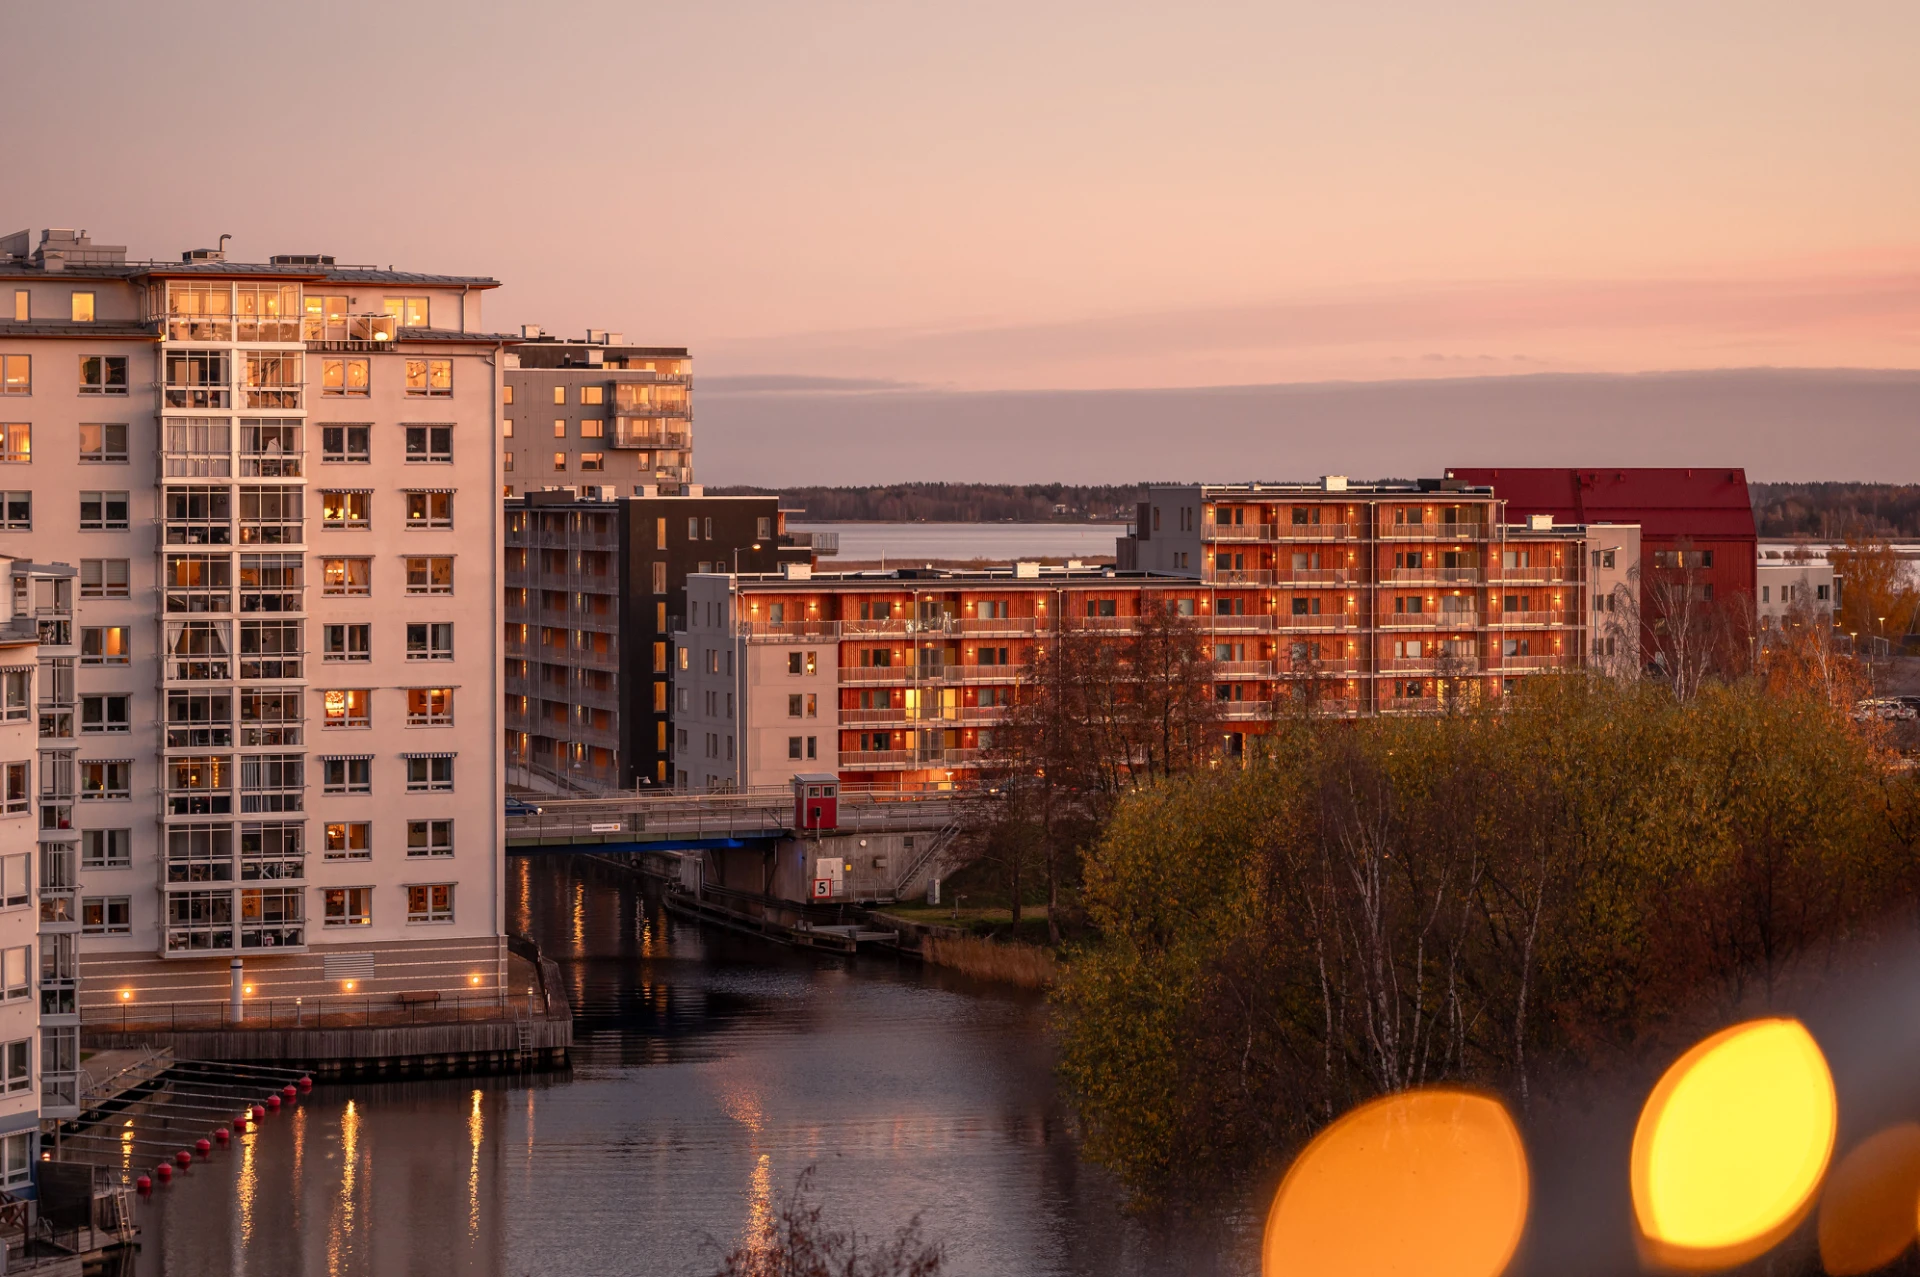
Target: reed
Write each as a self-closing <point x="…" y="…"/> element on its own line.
<point x="1026" y="965"/>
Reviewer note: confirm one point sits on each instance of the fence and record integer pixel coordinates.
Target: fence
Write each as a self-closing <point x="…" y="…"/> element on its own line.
<point x="323" y="1012"/>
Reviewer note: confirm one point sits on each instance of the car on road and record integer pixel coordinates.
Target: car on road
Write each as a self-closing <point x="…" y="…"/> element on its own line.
<point x="521" y="807"/>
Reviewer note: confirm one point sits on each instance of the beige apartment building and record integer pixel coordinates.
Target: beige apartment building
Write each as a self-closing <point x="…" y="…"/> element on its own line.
<point x="275" y="737"/>
<point x="597" y="416"/>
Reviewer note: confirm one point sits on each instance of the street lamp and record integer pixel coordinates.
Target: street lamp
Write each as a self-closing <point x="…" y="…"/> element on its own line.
<point x="736" y="557"/>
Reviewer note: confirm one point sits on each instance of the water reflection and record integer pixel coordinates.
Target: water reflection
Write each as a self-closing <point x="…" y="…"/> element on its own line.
<point x="710" y="1071"/>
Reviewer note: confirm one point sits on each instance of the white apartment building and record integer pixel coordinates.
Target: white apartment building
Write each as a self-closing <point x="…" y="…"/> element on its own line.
<point x="27" y="1066"/>
<point x="1792" y="585"/>
<point x="276" y="736"/>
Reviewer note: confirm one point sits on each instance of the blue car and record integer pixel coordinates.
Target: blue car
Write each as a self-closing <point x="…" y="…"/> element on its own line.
<point x="520" y="807"/>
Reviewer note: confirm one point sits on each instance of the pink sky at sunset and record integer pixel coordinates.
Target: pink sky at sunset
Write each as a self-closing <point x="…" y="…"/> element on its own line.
<point x="1005" y="196"/>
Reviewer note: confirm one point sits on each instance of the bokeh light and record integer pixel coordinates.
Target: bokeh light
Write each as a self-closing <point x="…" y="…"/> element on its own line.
<point x="1871" y="1206"/>
<point x="1431" y="1182"/>
<point x="1731" y="1146"/>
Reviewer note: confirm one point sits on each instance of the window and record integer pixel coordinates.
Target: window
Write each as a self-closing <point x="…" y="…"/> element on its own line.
<point x="559" y="394"/>
<point x="346" y="642"/>
<point x="347" y="906"/>
<point x="16" y="1065"/>
<point x="346" y="576"/>
<point x="559" y="427"/>
<point x="429" y="773"/>
<point x="14" y="687"/>
<point x="793" y="747"/>
<point x="429" y="837"/>
<point x="1101" y="607"/>
<point x="103" y="442"/>
<point x="16" y="442"/>
<point x="659" y="577"/>
<point x="593" y="461"/>
<point x="103" y="374"/>
<point x="273" y="379"/>
<point x="106" y="778"/>
<point x="22" y="308"/>
<point x="430" y="378"/>
<point x="430" y="640"/>
<point x="16" y="886"/>
<point x="693" y="528"/>
<point x="432" y="902"/>
<point x="348" y="840"/>
<point x="16" y="374"/>
<point x="270" y="649"/>
<point x="593" y="428"/>
<point x="13" y="788"/>
<point x="345" y="377"/>
<point x="17" y="1151"/>
<point x="763" y="529"/>
<point x="412" y="312"/>
<point x="103" y="578"/>
<point x="16" y="968"/>
<point x="430" y="575"/>
<point x="106" y="849"/>
<point x="82" y="310"/>
<point x="346" y="775"/>
<point x="345" y="443"/>
<point x="105" y="644"/>
<point x="106" y="714"/>
<point x="794" y="702"/>
<point x="429" y="707"/>
<point x="103" y="511"/>
<point x="347" y="707"/>
<point x="345" y="509"/>
<point x="430" y="443"/>
<point x="16" y="511"/>
<point x="559" y="461"/>
<point x="506" y="394"/>
<point x="506" y="464"/>
<point x="506" y="424"/>
<point x="429" y="509"/>
<point x="106" y="915"/>
<point x="593" y="394"/>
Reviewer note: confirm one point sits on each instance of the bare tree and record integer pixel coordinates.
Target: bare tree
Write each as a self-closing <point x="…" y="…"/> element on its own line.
<point x="798" y="1242"/>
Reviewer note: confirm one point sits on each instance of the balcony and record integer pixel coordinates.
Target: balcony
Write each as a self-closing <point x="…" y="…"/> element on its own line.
<point x="1524" y="663"/>
<point x="1433" y="532"/>
<point x="197" y="465"/>
<point x="639" y="433"/>
<point x="1313" y="624"/>
<point x="1321" y="669"/>
<point x="1430" y="576"/>
<point x="272" y="464"/>
<point x="56" y="633"/>
<point x="1237" y="532"/>
<point x="1430" y="620"/>
<point x="1314" y="531"/>
<point x="901" y="674"/>
<point x="1532" y="575"/>
<point x="1243" y="669"/>
<point x="1409" y="705"/>
<point x="1314" y="576"/>
<point x="1256" y="623"/>
<point x="1238" y="576"/>
<point x="1536" y="620"/>
<point x="878" y="760"/>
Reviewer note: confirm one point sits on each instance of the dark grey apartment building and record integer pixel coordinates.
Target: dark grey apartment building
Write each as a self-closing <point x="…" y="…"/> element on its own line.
<point x="594" y="591"/>
<point x="598" y="416"/>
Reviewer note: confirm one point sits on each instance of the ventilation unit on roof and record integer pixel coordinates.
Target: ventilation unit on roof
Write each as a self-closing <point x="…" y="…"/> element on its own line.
<point x="300" y="259"/>
<point x="531" y="331"/>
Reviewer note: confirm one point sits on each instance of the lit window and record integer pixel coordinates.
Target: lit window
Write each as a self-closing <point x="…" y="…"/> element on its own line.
<point x="106" y="915"/>
<point x="412" y="312"/>
<point x="592" y="394"/>
<point x="429" y="509"/>
<point x="560" y="394"/>
<point x="82" y="308"/>
<point x="347" y="906"/>
<point x="22" y="309"/>
<point x="105" y="644"/>
<point x="430" y="575"/>
<point x="430" y="378"/>
<point x="593" y="461"/>
<point x="559" y="461"/>
<point x="341" y="378"/>
<point x="430" y="903"/>
<point x="347" y="707"/>
<point x="348" y="840"/>
<point x="345" y="509"/>
<point x="16" y="442"/>
<point x="346" y="576"/>
<point x="16" y="374"/>
<point x="559" y="427"/>
<point x="429" y="707"/>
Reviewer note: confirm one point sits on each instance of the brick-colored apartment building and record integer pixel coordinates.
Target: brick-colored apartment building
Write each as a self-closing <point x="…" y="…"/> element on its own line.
<point x="1381" y="596"/>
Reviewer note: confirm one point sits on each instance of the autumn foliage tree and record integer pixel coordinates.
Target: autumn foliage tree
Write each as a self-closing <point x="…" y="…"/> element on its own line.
<point x="1469" y="897"/>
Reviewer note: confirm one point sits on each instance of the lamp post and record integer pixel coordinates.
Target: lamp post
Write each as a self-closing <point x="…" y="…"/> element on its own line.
<point x="736" y="557"/>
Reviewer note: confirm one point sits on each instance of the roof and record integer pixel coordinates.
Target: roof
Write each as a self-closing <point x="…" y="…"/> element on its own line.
<point x="241" y="270"/>
<point x="97" y="331"/>
<point x="938" y="578"/>
<point x="1667" y="502"/>
<point x="452" y="334"/>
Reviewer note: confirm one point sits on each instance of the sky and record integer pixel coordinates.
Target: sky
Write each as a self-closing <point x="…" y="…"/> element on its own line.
<point x="918" y="200"/>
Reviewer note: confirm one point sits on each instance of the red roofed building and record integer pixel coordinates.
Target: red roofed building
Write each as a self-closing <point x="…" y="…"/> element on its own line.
<point x="1704" y="513"/>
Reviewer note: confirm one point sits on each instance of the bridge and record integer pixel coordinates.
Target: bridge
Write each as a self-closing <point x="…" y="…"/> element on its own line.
<point x="908" y="830"/>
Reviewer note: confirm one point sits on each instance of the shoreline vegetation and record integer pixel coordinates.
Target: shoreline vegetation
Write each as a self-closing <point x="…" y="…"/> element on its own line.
<point x="1014" y="962"/>
<point x="1820" y="511"/>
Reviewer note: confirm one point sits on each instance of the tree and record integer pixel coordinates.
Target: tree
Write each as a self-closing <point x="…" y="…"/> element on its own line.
<point x="798" y="1242"/>
<point x="1878" y="597"/>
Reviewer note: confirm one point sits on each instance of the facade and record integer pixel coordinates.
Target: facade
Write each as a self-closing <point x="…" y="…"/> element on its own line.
<point x="33" y="1070"/>
<point x="898" y="677"/>
<point x="275" y="736"/>
<point x="1793" y="588"/>
<point x="1383" y="591"/>
<point x="598" y="416"/>
<point x="1697" y="532"/>
<point x="594" y="591"/>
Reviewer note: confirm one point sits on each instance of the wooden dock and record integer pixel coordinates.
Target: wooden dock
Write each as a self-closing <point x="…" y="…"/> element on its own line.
<point x="780" y="921"/>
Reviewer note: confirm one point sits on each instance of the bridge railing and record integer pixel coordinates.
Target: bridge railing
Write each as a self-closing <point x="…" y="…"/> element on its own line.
<point x="756" y="811"/>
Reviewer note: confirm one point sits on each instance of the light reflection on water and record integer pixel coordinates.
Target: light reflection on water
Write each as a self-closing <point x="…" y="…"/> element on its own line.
<point x="710" y="1071"/>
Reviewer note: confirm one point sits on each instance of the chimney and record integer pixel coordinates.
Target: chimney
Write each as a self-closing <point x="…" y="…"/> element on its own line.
<point x="531" y="332"/>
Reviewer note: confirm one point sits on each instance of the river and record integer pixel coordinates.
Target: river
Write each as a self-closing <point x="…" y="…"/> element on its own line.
<point x="710" y="1070"/>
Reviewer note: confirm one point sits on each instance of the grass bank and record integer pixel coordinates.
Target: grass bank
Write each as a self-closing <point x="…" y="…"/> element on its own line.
<point x="1028" y="966"/>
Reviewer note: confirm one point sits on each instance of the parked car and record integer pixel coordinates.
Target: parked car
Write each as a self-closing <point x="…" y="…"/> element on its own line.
<point x="1887" y="709"/>
<point x="521" y="807"/>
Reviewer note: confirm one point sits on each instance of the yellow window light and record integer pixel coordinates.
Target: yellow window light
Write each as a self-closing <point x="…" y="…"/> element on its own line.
<point x="1731" y="1146"/>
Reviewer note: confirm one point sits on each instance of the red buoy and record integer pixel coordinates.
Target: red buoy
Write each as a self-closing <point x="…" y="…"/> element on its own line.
<point x="306" y="1084"/>
<point x="144" y="1184"/>
<point x="163" y="1172"/>
<point x="183" y="1157"/>
<point x="203" y="1147"/>
<point x="258" y="1112"/>
<point x="220" y="1133"/>
<point x="290" y="1090"/>
<point x="273" y="1102"/>
<point x="239" y="1123"/>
